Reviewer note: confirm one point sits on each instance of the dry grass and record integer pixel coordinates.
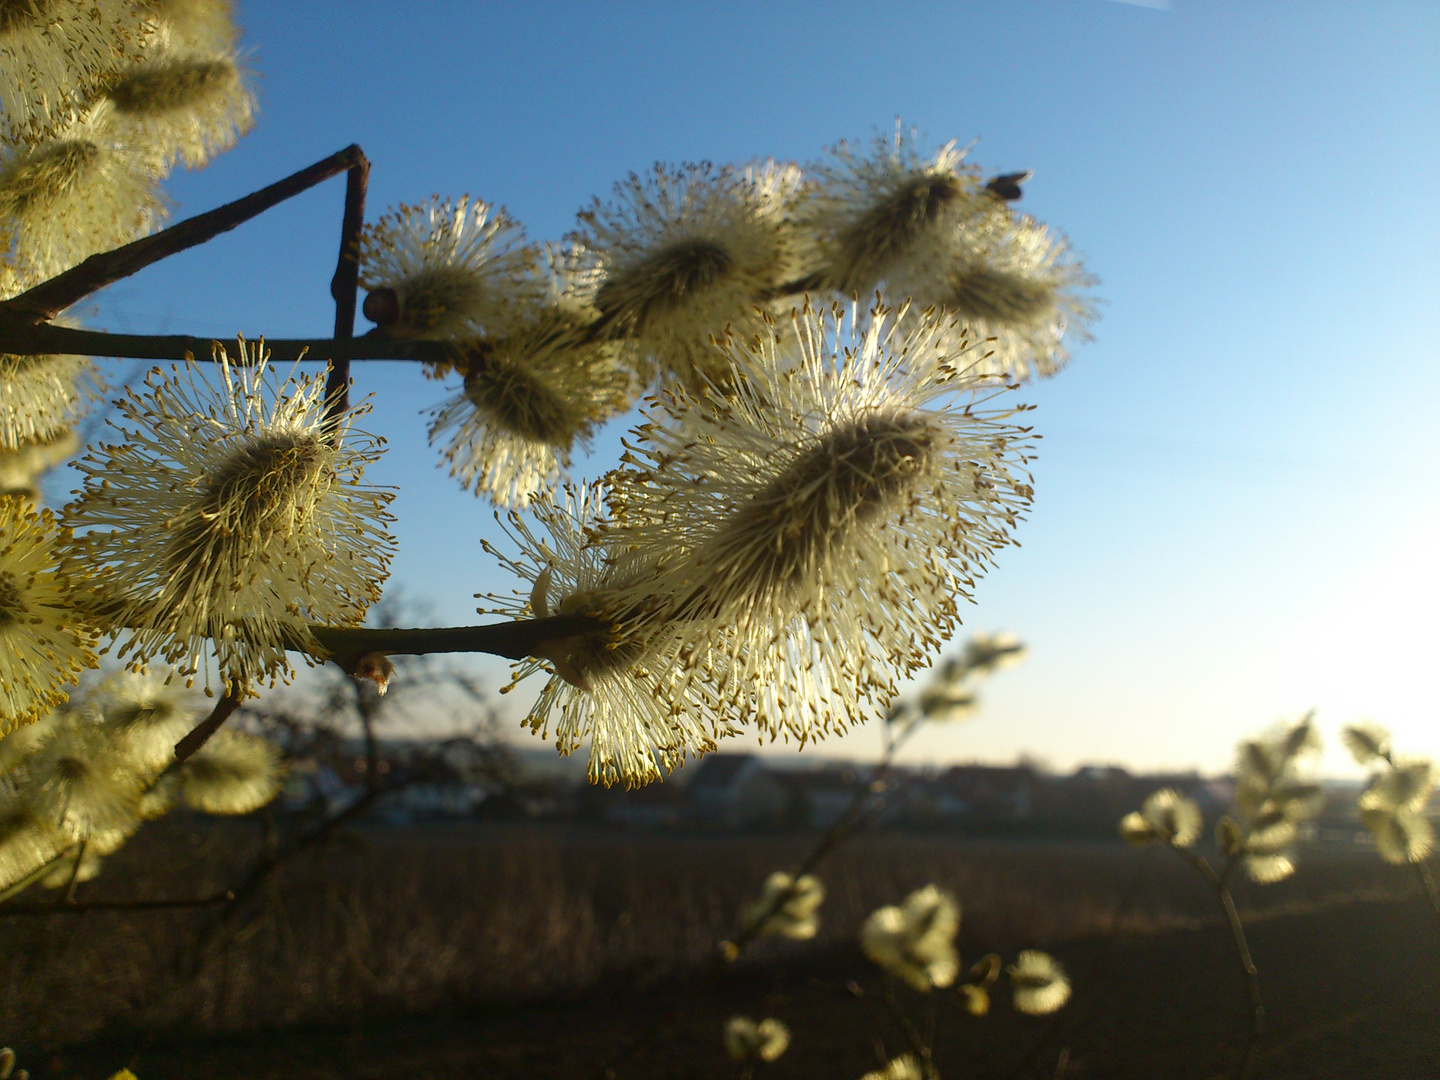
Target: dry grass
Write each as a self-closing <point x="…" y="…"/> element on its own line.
<point x="407" y="920"/>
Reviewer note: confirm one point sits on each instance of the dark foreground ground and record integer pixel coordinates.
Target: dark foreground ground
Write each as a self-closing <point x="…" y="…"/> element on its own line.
<point x="1352" y="987"/>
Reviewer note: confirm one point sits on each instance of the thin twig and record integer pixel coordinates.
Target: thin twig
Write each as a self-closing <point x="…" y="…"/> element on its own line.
<point x="202" y="731"/>
<point x="17" y="887"/>
<point x="1252" y="982"/>
<point x="515" y="640"/>
<point x="270" y="862"/>
<point x="345" y="284"/>
<point x="846" y="825"/>
<point x="1220" y="883"/>
<point x="19" y="337"/>
<point x="912" y="1034"/>
<point x="46" y="300"/>
<point x="68" y="897"/>
<point x="1427" y="882"/>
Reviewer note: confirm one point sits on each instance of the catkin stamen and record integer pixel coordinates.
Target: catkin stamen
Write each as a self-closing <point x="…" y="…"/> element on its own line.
<point x="887" y="230"/>
<point x="1002" y="298"/>
<point x="168" y="88"/>
<point x="523" y="405"/>
<point x="16" y="15"/>
<point x="268" y="483"/>
<point x="47" y="178"/>
<point x="663" y="282"/>
<point x="12" y="600"/>
<point x="845" y="480"/>
<point x="435" y="295"/>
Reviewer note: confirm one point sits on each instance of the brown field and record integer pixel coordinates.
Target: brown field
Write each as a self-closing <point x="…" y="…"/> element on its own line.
<point x="468" y="951"/>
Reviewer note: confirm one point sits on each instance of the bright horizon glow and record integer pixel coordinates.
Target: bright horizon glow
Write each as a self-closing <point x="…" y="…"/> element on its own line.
<point x="1239" y="477"/>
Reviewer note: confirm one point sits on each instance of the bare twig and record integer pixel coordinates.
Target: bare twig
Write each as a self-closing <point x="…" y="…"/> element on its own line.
<point x="202" y="731"/>
<point x="917" y="1043"/>
<point x="515" y="640"/>
<point x="345" y="284"/>
<point x="46" y="300"/>
<point x="22" y="338"/>
<point x="68" y="896"/>
<point x="1427" y="882"/>
<point x="17" y="887"/>
<point x="1220" y="883"/>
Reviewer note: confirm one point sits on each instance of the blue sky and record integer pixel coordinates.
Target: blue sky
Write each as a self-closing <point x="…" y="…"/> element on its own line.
<point x="1238" y="494"/>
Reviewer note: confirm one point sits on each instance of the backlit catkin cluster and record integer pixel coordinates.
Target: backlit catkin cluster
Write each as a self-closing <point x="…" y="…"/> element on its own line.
<point x="659" y="283"/>
<point x="781" y="552"/>
<point x="823" y="469"/>
<point x="98" y="101"/>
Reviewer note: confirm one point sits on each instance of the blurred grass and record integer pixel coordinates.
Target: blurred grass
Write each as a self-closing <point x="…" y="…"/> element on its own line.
<point x="407" y="920"/>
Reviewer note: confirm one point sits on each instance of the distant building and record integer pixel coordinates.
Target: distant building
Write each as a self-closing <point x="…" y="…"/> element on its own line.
<point x="735" y="790"/>
<point x="987" y="792"/>
<point x="817" y="798"/>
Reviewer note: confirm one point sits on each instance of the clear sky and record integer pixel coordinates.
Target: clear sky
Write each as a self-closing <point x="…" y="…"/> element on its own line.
<point x="1238" y="495"/>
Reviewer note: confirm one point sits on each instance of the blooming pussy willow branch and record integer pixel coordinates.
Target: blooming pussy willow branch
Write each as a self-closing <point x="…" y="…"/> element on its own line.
<point x="787" y="907"/>
<point x="233" y="773"/>
<point x="1367" y="741"/>
<point x="26" y="842"/>
<point x="916" y="940"/>
<point x="1040" y="983"/>
<point x="686" y="254"/>
<point x="824" y="513"/>
<point x="22" y="468"/>
<point x="1167" y="817"/>
<point x="745" y="1040"/>
<point x="904" y="1067"/>
<point x="1272" y="799"/>
<point x="44" y="640"/>
<point x="444" y="268"/>
<point x="928" y="230"/>
<point x="530" y="393"/>
<point x="230" y="514"/>
<point x="40" y="396"/>
<point x="56" y="54"/>
<point x="947" y="698"/>
<point x="78" y="784"/>
<point x="622" y="685"/>
<point x="85" y="190"/>
<point x="1392" y="806"/>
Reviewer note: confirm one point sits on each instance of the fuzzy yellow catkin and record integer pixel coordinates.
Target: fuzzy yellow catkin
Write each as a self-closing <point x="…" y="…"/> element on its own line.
<point x="44" y="640"/>
<point x="269" y="523"/>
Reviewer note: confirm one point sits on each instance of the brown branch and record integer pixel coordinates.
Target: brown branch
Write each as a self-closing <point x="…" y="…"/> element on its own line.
<point x="1427" y="883"/>
<point x="514" y="640"/>
<point x="21" y="338"/>
<point x="1220" y="883"/>
<point x="201" y="733"/>
<point x="46" y="300"/>
<point x="345" y="285"/>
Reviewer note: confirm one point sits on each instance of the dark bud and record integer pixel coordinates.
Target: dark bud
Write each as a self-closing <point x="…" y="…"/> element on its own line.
<point x="1005" y="187"/>
<point x="382" y="307"/>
